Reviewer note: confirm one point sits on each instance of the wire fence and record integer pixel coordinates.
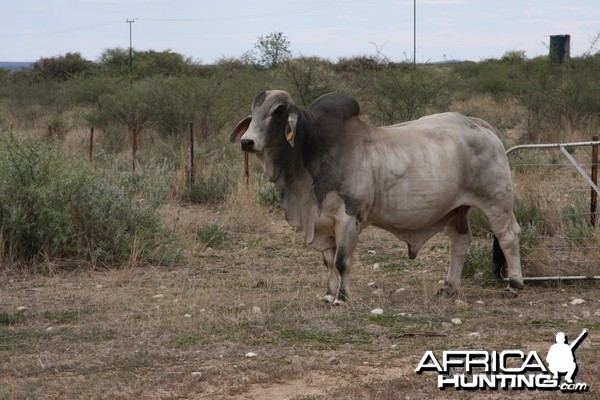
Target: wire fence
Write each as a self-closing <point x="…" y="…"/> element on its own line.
<point x="556" y="204"/>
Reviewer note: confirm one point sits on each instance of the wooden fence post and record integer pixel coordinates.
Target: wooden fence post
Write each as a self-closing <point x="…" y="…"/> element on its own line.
<point x="192" y="169"/>
<point x="133" y="145"/>
<point x="91" y="147"/>
<point x="594" y="196"/>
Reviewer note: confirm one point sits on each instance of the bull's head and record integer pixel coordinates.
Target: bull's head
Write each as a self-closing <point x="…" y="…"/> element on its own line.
<point x="274" y="118"/>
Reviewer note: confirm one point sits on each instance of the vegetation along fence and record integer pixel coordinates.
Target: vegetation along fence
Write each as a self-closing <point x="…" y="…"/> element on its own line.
<point x="556" y="205"/>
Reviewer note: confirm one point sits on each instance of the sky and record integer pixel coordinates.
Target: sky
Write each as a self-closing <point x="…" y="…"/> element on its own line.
<point x="210" y="30"/>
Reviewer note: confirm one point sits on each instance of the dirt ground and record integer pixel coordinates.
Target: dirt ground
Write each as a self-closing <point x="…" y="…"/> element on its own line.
<point x="243" y="319"/>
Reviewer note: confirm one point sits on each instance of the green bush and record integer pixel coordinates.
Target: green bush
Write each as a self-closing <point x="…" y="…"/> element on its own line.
<point x="56" y="206"/>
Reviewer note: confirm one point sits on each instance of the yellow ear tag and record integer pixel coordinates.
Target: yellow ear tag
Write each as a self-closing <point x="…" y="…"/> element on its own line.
<point x="290" y="137"/>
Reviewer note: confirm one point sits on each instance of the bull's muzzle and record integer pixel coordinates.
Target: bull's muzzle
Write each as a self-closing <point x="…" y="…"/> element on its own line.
<point x="247" y="145"/>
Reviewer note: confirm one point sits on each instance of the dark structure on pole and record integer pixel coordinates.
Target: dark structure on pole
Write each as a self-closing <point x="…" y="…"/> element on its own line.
<point x="560" y="48"/>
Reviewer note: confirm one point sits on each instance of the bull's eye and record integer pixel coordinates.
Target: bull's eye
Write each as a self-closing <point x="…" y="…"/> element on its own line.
<point x="278" y="112"/>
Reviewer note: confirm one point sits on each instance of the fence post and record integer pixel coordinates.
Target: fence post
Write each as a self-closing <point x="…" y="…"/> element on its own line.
<point x="192" y="169"/>
<point x="594" y="176"/>
<point x="91" y="147"/>
<point x="133" y="146"/>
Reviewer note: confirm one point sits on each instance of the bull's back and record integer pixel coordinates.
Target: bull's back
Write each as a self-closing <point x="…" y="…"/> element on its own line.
<point x="426" y="168"/>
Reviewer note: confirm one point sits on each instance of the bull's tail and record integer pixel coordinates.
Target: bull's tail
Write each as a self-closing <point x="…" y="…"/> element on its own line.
<point x="499" y="260"/>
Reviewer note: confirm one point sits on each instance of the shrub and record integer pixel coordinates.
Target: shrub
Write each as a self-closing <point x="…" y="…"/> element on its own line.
<point x="56" y="206"/>
<point x="405" y="93"/>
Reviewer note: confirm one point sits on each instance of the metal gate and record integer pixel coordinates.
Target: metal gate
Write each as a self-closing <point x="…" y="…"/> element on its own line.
<point x="556" y="205"/>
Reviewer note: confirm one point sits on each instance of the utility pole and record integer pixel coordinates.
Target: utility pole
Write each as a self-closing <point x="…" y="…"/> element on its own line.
<point x="415" y="33"/>
<point x="130" y="21"/>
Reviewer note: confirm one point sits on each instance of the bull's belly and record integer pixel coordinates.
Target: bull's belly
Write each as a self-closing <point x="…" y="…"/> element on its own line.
<point x="410" y="216"/>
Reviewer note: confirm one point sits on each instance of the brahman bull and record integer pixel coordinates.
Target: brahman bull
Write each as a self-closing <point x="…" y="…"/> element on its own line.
<point x="337" y="175"/>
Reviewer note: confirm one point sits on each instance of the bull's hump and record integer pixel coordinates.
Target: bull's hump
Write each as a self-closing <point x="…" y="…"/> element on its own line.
<point x="337" y="105"/>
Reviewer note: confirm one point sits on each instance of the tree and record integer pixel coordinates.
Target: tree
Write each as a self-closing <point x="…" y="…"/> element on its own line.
<point x="62" y="67"/>
<point x="270" y="50"/>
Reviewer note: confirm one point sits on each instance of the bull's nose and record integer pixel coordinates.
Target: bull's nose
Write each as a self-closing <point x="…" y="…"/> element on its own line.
<point x="247" y="144"/>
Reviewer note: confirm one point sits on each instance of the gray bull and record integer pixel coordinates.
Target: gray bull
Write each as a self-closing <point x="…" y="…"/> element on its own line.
<point x="337" y="175"/>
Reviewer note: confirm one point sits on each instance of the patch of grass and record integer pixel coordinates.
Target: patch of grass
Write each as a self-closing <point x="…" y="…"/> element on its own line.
<point x="61" y="317"/>
<point x="478" y="264"/>
<point x="212" y="235"/>
<point x="267" y="195"/>
<point x="8" y="318"/>
<point x="185" y="341"/>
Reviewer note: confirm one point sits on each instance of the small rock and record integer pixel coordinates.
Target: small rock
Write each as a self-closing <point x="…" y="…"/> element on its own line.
<point x="251" y="355"/>
<point x="480" y="302"/>
<point x="377" y="311"/>
<point x="99" y="286"/>
<point x="371" y="252"/>
<point x="187" y="315"/>
<point x="394" y="346"/>
<point x="157" y="296"/>
<point x="197" y="374"/>
<point x="371" y="284"/>
<point x="256" y="310"/>
<point x="334" y="361"/>
<point x="474" y="334"/>
<point x="400" y="290"/>
<point x="376" y="266"/>
<point x="456" y="321"/>
<point x="49" y="329"/>
<point x="22" y="308"/>
<point x="446" y="325"/>
<point x="576" y="301"/>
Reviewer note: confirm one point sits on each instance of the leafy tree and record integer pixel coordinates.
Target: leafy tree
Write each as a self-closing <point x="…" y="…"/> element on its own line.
<point x="270" y="50"/>
<point x="62" y="67"/>
<point x="146" y="63"/>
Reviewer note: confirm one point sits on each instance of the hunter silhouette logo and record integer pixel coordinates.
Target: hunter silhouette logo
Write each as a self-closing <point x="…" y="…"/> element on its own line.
<point x="560" y="357"/>
<point x="508" y="369"/>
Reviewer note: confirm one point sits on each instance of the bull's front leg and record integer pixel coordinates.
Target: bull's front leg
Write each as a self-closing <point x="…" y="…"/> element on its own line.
<point x="346" y="238"/>
<point x="333" y="280"/>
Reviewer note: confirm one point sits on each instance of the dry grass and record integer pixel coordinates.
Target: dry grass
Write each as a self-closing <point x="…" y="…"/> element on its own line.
<point x="184" y="331"/>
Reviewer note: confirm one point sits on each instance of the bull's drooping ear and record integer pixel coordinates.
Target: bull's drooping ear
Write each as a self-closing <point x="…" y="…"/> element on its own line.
<point x="290" y="127"/>
<point x="240" y="129"/>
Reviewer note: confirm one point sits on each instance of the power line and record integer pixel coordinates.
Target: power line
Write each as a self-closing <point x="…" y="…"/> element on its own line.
<point x="62" y="31"/>
<point x="258" y="15"/>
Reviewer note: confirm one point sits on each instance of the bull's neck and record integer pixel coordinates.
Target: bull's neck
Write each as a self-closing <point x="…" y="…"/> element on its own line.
<point x="283" y="165"/>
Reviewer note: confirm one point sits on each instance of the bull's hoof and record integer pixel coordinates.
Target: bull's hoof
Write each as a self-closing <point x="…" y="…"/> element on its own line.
<point x="516" y="284"/>
<point x="511" y="292"/>
<point x="339" y="303"/>
<point x="328" y="299"/>
<point x="446" y="291"/>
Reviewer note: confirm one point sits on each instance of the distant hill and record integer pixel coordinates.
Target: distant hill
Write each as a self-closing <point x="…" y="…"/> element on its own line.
<point x="14" y="65"/>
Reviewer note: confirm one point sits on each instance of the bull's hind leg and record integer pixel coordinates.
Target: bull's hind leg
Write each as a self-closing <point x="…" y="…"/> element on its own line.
<point x="505" y="227"/>
<point x="460" y="238"/>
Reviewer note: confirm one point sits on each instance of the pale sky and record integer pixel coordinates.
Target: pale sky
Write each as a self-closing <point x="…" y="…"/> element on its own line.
<point x="208" y="30"/>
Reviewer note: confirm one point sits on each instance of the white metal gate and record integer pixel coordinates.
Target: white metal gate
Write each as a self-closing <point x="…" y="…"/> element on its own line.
<point x="556" y="202"/>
